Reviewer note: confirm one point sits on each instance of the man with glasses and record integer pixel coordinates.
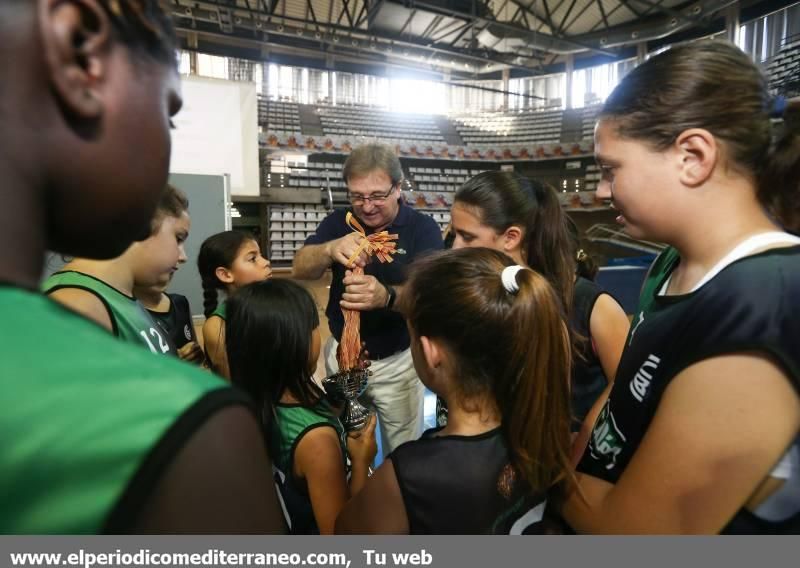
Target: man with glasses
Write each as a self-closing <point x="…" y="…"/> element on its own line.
<point x="373" y="176"/>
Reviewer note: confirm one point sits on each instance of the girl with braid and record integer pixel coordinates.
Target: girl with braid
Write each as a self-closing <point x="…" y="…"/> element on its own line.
<point x="227" y="261"/>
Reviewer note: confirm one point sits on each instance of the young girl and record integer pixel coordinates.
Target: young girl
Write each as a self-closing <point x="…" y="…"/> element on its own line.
<point x="524" y="219"/>
<point x="227" y="261"/>
<point x="700" y="432"/>
<point x="100" y="435"/>
<point x="273" y="344"/>
<point x="102" y="290"/>
<point x="171" y="311"/>
<point x="506" y="442"/>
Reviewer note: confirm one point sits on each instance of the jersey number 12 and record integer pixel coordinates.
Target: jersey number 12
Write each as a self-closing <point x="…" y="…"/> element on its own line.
<point x="162" y="344"/>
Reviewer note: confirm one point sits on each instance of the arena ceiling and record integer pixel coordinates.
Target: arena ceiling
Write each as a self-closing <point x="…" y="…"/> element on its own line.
<point x="459" y="38"/>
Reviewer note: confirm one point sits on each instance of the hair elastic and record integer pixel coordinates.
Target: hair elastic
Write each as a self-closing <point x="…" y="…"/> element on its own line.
<point x="509" y="278"/>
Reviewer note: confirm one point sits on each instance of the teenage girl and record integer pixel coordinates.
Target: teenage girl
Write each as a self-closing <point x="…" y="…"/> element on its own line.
<point x="524" y="219"/>
<point x="700" y="432"/>
<point x="227" y="261"/>
<point x="506" y="444"/>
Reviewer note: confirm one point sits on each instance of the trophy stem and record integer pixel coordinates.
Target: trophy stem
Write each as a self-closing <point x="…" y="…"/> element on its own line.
<point x="355" y="416"/>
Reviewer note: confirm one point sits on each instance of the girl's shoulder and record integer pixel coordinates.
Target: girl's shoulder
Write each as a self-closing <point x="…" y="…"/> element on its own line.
<point x="299" y="417"/>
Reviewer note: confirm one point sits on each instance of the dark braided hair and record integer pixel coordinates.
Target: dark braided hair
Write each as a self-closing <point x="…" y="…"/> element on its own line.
<point x="217" y="251"/>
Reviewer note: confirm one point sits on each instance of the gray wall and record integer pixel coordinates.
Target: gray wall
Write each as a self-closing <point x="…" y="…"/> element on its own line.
<point x="209" y="212"/>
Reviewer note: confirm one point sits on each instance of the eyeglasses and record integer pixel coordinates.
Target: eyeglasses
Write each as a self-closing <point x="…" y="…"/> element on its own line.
<point x="376" y="198"/>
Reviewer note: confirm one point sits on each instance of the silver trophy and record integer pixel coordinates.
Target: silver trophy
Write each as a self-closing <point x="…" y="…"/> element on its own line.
<point x="346" y="387"/>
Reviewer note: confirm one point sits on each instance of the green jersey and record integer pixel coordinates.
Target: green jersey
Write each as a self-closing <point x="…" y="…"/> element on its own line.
<point x="130" y="321"/>
<point x="220" y="310"/>
<point x="87" y="421"/>
<point x="292" y="422"/>
<point x="663" y="264"/>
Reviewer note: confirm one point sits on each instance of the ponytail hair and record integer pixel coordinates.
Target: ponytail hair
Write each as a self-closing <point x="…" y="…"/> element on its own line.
<point x="502" y="199"/>
<point x="779" y="180"/>
<point x="458" y="297"/>
<point x="217" y="251"/>
<point x="585" y="265"/>
<point x="548" y="244"/>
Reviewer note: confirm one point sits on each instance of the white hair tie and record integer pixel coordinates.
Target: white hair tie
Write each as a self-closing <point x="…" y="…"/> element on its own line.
<point x="509" y="278"/>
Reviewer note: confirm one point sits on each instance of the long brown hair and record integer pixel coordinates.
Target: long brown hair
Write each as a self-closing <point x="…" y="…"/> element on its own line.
<point x="502" y="199"/>
<point x="512" y="346"/>
<point x="779" y="183"/>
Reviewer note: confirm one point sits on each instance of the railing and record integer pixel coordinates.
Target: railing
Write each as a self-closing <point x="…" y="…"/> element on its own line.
<point x="790" y="39"/>
<point x="614" y="235"/>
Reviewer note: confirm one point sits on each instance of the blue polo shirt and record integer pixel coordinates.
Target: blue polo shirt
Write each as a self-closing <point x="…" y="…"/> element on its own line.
<point x="384" y="331"/>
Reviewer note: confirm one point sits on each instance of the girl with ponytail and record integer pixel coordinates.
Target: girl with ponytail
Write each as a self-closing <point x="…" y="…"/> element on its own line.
<point x="779" y="179"/>
<point x="524" y="219"/>
<point x="227" y="261"/>
<point x="491" y="339"/>
<point x="700" y="433"/>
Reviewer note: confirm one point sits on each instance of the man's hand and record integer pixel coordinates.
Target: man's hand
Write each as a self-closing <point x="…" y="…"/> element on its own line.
<point x="342" y="249"/>
<point x="363" y="293"/>
<point x="363" y="356"/>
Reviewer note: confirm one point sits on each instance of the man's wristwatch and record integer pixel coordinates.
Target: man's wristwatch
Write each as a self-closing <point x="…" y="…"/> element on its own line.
<point x="391" y="296"/>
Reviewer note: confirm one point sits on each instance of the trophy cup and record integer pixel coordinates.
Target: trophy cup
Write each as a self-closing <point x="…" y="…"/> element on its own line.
<point x="347" y="386"/>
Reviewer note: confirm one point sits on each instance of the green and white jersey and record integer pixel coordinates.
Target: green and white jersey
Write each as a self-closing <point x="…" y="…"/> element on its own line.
<point x="129" y="319"/>
<point x="88" y="424"/>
